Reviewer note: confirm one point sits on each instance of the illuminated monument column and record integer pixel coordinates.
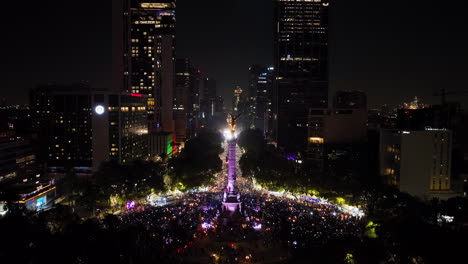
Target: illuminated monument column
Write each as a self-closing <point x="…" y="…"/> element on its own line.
<point x="231" y="165"/>
<point x="231" y="196"/>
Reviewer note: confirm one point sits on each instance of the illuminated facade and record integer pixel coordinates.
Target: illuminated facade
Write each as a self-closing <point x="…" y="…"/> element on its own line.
<point x="87" y="126"/>
<point x="148" y="50"/>
<point x="161" y="144"/>
<point x="127" y="127"/>
<point x="417" y="162"/>
<point x="301" y="67"/>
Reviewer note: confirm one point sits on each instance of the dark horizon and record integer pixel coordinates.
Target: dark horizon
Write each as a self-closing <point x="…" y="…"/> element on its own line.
<point x="392" y="51"/>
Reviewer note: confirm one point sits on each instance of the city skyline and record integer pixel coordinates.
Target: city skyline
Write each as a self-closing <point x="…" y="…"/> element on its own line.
<point x="392" y="53"/>
<point x="342" y="139"/>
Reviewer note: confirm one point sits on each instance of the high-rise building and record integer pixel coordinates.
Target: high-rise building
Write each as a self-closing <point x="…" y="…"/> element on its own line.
<point x="186" y="100"/>
<point x="80" y="127"/>
<point x="209" y="88"/>
<point x="417" y="161"/>
<point x="259" y="97"/>
<point x="301" y="67"/>
<point x="337" y="134"/>
<point x="207" y="102"/>
<point x="144" y="55"/>
<point x="219" y="106"/>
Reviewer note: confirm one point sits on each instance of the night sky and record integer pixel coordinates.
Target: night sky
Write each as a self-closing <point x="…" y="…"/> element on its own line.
<point x="393" y="50"/>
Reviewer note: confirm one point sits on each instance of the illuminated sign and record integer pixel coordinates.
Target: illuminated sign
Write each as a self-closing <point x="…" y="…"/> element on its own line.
<point x="99" y="109"/>
<point x="135" y="95"/>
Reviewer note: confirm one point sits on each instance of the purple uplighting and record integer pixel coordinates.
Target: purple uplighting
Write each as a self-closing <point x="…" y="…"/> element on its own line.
<point x="130" y="205"/>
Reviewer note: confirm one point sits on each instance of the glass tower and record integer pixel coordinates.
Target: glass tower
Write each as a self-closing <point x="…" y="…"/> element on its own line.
<point x="301" y="67"/>
<point x="149" y="57"/>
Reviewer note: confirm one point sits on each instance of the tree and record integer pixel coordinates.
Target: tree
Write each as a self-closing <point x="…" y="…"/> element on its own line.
<point x="198" y="162"/>
<point x="252" y="141"/>
<point x="11" y="198"/>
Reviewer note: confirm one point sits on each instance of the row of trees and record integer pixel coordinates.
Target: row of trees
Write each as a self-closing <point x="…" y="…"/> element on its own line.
<point x="61" y="236"/>
<point x="271" y="168"/>
<point x="199" y="161"/>
<point x="113" y="183"/>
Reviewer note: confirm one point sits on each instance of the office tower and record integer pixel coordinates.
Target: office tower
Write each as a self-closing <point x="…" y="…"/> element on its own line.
<point x="334" y="130"/>
<point x="338" y="135"/>
<point x="207" y="103"/>
<point x="209" y="88"/>
<point x="417" y="161"/>
<point x="301" y="67"/>
<point x="219" y="106"/>
<point x="80" y="127"/>
<point x="186" y="101"/>
<point x="144" y="37"/>
<point x="259" y="96"/>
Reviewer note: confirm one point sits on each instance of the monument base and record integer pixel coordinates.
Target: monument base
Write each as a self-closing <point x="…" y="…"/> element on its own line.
<point x="231" y="202"/>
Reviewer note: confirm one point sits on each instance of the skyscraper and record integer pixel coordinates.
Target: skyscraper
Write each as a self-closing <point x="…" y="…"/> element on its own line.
<point x="259" y="96"/>
<point x="208" y="97"/>
<point x="144" y="33"/>
<point x="186" y="101"/>
<point x="301" y="67"/>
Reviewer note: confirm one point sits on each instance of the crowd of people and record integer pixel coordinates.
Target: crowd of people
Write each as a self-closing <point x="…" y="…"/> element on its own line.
<point x="195" y="228"/>
<point x="170" y="230"/>
<point x="298" y="222"/>
<point x="264" y="221"/>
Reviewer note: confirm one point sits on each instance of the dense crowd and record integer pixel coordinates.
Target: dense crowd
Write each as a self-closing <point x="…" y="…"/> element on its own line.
<point x="171" y="228"/>
<point x="263" y="219"/>
<point x="299" y="222"/>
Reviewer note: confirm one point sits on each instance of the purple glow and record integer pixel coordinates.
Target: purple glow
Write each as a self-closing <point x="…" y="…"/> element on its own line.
<point x="257" y="226"/>
<point x="130" y="205"/>
<point x="291" y="156"/>
<point x="206" y="225"/>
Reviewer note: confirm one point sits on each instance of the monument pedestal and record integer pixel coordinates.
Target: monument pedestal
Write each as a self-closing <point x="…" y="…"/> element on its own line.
<point x="231" y="202"/>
